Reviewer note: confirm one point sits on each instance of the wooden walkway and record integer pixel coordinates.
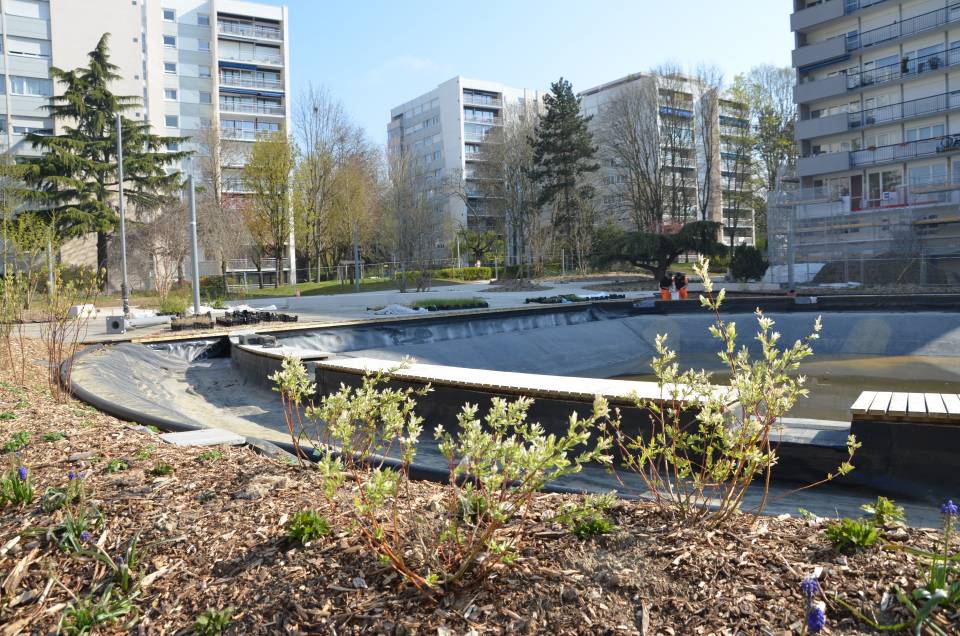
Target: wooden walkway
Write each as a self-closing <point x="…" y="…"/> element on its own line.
<point x="529" y="384"/>
<point x="935" y="407"/>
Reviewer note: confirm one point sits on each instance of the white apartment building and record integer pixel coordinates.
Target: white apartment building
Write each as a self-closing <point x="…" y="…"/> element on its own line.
<point x="444" y="130"/>
<point x="196" y="64"/>
<point x="878" y="96"/>
<point x="678" y="100"/>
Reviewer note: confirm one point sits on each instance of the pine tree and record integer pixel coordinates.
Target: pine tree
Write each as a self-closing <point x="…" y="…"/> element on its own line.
<point x="74" y="181"/>
<point x="563" y="154"/>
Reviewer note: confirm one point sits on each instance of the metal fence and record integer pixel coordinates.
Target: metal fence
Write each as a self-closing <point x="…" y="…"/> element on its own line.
<point x="850" y="271"/>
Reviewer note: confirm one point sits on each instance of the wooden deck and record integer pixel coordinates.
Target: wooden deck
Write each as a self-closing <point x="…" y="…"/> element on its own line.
<point x="941" y="408"/>
<point x="529" y="384"/>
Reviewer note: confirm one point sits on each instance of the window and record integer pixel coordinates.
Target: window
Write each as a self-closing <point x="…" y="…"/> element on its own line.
<point x="173" y="146"/>
<point x="172" y="121"/>
<point x="170" y="41"/>
<point x="206" y="97"/>
<point x="170" y="67"/>
<point x="170" y="94"/>
<point x="28" y="9"/>
<point x="203" y="71"/>
<point x="28" y="47"/>
<point x="203" y="19"/>
<point x="169" y="15"/>
<point x="203" y="45"/>
<point x="33" y="86"/>
<point x="924" y="132"/>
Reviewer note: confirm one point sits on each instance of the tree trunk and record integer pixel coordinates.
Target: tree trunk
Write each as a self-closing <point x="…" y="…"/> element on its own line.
<point x="277" y="282"/>
<point x="223" y="275"/>
<point x="102" y="259"/>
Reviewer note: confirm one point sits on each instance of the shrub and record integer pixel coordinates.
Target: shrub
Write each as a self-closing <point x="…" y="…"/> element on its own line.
<point x="464" y="273"/>
<point x="17" y="441"/>
<point x="307" y="525"/>
<point x="588" y="519"/>
<point x="212" y="287"/>
<point x="699" y="461"/>
<point x="496" y="467"/>
<point x="173" y="305"/>
<point x="748" y="263"/>
<point x="213" y="622"/>
<point x="443" y="304"/>
<point x="849" y="535"/>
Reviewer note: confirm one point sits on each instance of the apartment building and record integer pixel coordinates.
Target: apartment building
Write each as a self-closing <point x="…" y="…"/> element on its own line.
<point x="198" y="65"/>
<point x="679" y="100"/>
<point x="444" y="130"/>
<point x="878" y="97"/>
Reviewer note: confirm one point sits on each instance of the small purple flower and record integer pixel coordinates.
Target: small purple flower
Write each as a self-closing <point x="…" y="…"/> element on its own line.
<point x="85" y="536"/>
<point x="121" y="560"/>
<point x="816" y="619"/>
<point x="949" y="509"/>
<point x="810" y="587"/>
<point x="22" y="473"/>
<point x="71" y="475"/>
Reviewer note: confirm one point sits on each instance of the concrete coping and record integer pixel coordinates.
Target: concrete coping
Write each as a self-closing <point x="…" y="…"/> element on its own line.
<point x="282" y="351"/>
<point x="527" y="384"/>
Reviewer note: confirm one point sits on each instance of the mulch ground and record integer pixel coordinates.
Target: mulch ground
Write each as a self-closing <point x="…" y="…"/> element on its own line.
<point x="213" y="536"/>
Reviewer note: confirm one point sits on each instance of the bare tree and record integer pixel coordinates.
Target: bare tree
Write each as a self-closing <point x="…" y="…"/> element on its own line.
<point x="163" y="240"/>
<point x="709" y="84"/>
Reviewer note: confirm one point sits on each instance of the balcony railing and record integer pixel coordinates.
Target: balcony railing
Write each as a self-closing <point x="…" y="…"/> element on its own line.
<point x="906" y="150"/>
<point x="904" y="68"/>
<point x="855" y="5"/>
<point x="235" y="186"/>
<point x="250" y="30"/>
<point x="496" y="121"/>
<point x="480" y="100"/>
<point x="238" y="134"/>
<point x="910" y="26"/>
<point x="252" y="109"/>
<point x="246" y="264"/>
<point x="903" y="110"/>
<point x="249" y="82"/>
<point x="261" y="58"/>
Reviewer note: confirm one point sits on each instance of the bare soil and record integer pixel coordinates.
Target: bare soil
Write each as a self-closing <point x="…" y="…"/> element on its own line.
<point x="214" y="538"/>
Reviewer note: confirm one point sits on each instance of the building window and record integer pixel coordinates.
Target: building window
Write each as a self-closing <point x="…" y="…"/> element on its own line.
<point x="172" y="121"/>
<point x="203" y="71"/>
<point x="169" y="15"/>
<point x="206" y="97"/>
<point x="170" y="67"/>
<point x="203" y="19"/>
<point x="33" y="86"/>
<point x="173" y="146"/>
<point x="170" y="94"/>
<point x="203" y="45"/>
<point x="170" y="41"/>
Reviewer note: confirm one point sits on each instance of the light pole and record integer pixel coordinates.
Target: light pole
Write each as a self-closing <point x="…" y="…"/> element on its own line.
<point x="194" y="256"/>
<point x="124" y="287"/>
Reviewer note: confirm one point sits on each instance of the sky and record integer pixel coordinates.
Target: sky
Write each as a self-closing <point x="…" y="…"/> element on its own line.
<point x="373" y="55"/>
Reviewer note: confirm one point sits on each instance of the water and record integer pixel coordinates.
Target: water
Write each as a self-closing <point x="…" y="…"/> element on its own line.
<point x="835" y="381"/>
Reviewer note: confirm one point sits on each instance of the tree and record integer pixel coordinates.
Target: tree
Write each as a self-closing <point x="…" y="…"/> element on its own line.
<point x="737" y="145"/>
<point x="326" y="142"/>
<point x="75" y="179"/>
<point x="656" y="252"/>
<point x="163" y="241"/>
<point x="709" y="83"/>
<point x="563" y="157"/>
<point x="269" y="174"/>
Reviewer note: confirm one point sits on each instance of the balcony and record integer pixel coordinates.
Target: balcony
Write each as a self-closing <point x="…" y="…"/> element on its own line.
<point x="495" y="121"/>
<point x="235" y="186"/>
<point x="832" y="49"/>
<point x="262" y="58"/>
<point x="236" y="134"/>
<point x="904" y="110"/>
<point x="822" y="126"/>
<point x="250" y="82"/>
<point x="823" y="164"/>
<point x="906" y="150"/>
<point x="812" y="16"/>
<point x="820" y="89"/>
<point x="904" y="69"/>
<point x="254" y="31"/>
<point x="253" y="109"/>
<point x="904" y="28"/>
<point x="482" y="100"/>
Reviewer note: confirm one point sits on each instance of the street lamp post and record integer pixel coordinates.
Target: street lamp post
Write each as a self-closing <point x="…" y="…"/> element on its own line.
<point x="124" y="286"/>
<point x="194" y="256"/>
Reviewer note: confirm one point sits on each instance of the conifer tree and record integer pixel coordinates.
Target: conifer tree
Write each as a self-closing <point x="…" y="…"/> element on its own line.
<point x="563" y="153"/>
<point x="74" y="181"/>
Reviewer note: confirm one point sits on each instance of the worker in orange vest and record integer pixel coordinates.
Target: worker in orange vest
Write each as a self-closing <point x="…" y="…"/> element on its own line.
<point x="665" y="284"/>
<point x="680" y="282"/>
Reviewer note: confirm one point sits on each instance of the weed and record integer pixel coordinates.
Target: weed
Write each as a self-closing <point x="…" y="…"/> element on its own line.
<point x="146" y="452"/>
<point x="210" y="455"/>
<point x="213" y="622"/>
<point x="885" y="513"/>
<point x="161" y="470"/>
<point x="8" y="415"/>
<point x="86" y="614"/>
<point x="21" y="404"/>
<point x="153" y="429"/>
<point x="589" y="519"/>
<point x="849" y="535"/>
<point x="307" y="525"/>
<point x="117" y="465"/>
<point x="17" y="441"/>
<point x="53" y="436"/>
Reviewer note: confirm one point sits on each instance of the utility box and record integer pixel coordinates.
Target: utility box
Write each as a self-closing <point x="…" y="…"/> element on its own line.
<point x="116" y="324"/>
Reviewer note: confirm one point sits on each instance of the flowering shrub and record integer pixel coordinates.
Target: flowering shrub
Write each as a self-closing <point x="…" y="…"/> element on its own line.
<point x="496" y="466"/>
<point x="707" y="444"/>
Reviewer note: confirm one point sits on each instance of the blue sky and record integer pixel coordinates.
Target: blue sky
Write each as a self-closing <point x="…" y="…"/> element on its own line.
<point x="376" y="54"/>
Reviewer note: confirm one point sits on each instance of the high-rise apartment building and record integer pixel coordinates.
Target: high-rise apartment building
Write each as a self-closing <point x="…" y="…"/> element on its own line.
<point x="444" y="130"/>
<point x="682" y="110"/>
<point x="878" y="98"/>
<point x="197" y="65"/>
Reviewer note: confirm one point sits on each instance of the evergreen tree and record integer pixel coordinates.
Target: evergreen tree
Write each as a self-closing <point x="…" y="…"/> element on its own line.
<point x="74" y="181"/>
<point x="563" y="154"/>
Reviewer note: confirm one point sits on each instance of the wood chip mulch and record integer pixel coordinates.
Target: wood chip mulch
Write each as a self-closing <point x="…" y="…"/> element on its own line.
<point x="213" y="537"/>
